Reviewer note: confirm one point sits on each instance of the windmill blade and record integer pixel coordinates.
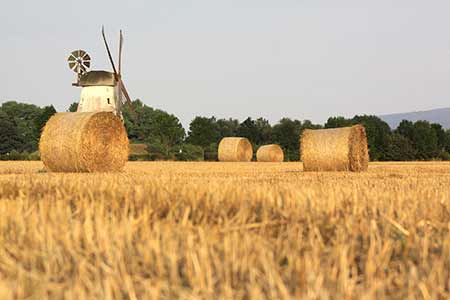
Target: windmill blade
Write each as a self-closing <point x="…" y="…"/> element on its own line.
<point x="129" y="103"/>
<point x="120" y="51"/>
<point x="124" y="91"/>
<point x="109" y="52"/>
<point x="120" y="63"/>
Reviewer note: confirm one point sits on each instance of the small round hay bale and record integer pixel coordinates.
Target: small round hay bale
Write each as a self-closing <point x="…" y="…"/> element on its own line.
<point x="235" y="149"/>
<point x="270" y="153"/>
<point x="338" y="149"/>
<point x="84" y="142"/>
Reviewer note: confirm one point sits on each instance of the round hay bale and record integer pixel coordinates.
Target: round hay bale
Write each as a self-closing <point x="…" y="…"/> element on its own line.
<point x="84" y="142"/>
<point x="338" y="149"/>
<point x="235" y="149"/>
<point x="270" y="153"/>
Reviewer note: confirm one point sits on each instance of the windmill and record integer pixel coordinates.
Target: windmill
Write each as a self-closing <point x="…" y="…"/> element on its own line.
<point x="100" y="90"/>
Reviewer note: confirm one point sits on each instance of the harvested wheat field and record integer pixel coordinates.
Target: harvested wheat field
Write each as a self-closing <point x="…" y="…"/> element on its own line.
<point x="168" y="230"/>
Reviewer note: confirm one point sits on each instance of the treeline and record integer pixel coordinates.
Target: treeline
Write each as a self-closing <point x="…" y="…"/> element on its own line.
<point x="166" y="138"/>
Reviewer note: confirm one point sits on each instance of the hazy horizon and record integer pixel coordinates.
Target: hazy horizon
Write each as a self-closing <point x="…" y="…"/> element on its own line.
<point x="298" y="59"/>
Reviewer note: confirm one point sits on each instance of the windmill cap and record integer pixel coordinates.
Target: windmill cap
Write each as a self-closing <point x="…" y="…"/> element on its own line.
<point x="97" y="78"/>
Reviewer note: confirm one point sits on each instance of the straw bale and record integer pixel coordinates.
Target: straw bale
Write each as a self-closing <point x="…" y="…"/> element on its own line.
<point x="235" y="149"/>
<point x="84" y="142"/>
<point x="339" y="149"/>
<point x="270" y="153"/>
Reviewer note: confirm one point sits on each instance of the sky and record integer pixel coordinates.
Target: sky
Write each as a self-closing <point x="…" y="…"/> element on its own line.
<point x="304" y="59"/>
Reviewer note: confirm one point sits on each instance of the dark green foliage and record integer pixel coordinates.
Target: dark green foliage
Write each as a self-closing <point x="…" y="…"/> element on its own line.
<point x="286" y="133"/>
<point x="211" y="152"/>
<point x="425" y="140"/>
<point x="154" y="127"/>
<point x="9" y="135"/>
<point x="406" y="128"/>
<point x="203" y="131"/>
<point x="73" y="107"/>
<point x="249" y="130"/>
<point x="43" y="117"/>
<point x="378" y="133"/>
<point x="24" y="117"/>
<point x="336" y="122"/>
<point x="441" y="136"/>
<point x="227" y="128"/>
<point x="188" y="152"/>
<point x="399" y="148"/>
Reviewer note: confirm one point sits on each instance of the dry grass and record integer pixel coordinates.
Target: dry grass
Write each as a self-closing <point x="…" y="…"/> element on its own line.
<point x="225" y="231"/>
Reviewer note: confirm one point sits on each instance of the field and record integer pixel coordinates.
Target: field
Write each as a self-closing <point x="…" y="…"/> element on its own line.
<point x="172" y="230"/>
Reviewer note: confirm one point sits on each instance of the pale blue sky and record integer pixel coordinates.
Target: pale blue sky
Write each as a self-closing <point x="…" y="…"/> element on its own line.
<point x="305" y="59"/>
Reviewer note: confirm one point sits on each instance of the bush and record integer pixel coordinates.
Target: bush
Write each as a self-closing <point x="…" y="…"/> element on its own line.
<point x="188" y="152"/>
<point x="140" y="157"/>
<point x="210" y="152"/>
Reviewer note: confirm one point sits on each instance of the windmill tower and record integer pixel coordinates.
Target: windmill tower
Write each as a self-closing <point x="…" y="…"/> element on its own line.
<point x="100" y="90"/>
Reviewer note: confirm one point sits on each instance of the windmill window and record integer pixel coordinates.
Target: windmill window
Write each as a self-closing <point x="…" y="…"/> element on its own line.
<point x="109" y="102"/>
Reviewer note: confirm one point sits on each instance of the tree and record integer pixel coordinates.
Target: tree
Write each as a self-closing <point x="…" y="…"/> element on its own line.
<point x="73" y="107"/>
<point x="155" y="127"/>
<point x="406" y="128"/>
<point x="286" y="133"/>
<point x="400" y="148"/>
<point x="203" y="131"/>
<point x="188" y="152"/>
<point x="336" y="122"/>
<point x="9" y="135"/>
<point x="378" y="133"/>
<point x="227" y="128"/>
<point x="425" y="140"/>
<point x="167" y="128"/>
<point x="264" y="132"/>
<point x="248" y="129"/>
<point x="23" y="116"/>
<point x="441" y="136"/>
<point x="42" y="119"/>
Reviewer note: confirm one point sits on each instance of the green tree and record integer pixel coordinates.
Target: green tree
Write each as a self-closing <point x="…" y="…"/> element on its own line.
<point x="425" y="140"/>
<point x="227" y="128"/>
<point x="42" y="119"/>
<point x="399" y="148"/>
<point x="264" y="132"/>
<point x="73" y="107"/>
<point x="249" y="130"/>
<point x="188" y="152"/>
<point x="9" y="135"/>
<point x="441" y="136"/>
<point x="336" y="122"/>
<point x="286" y="133"/>
<point x="203" y="131"/>
<point x="155" y="127"/>
<point x="406" y="128"/>
<point x="23" y="116"/>
<point x="378" y="133"/>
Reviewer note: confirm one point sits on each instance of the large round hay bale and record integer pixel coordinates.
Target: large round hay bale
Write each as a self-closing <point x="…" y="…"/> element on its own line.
<point x="270" y="153"/>
<point x="339" y="149"/>
<point x="235" y="149"/>
<point x="84" y="142"/>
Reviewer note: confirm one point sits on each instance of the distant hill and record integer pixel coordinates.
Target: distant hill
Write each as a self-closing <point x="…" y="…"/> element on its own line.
<point x="441" y="116"/>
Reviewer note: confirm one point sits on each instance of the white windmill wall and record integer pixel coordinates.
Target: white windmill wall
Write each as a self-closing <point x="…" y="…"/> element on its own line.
<point x="98" y="98"/>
